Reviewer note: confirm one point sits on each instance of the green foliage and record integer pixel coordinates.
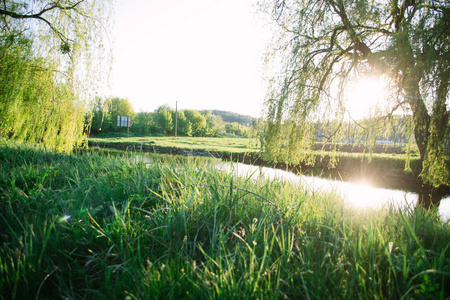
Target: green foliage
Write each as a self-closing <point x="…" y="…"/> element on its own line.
<point x="117" y="226"/>
<point x="163" y="119"/>
<point x="98" y="114"/>
<point x="232" y="117"/>
<point x="143" y="123"/>
<point x="214" y="124"/>
<point x="197" y="120"/>
<point x="103" y="114"/>
<point x="184" y="126"/>
<point x="118" y="107"/>
<point x="161" y="122"/>
<point x="52" y="60"/>
<point x="35" y="104"/>
<point x="435" y="170"/>
<point x="235" y="129"/>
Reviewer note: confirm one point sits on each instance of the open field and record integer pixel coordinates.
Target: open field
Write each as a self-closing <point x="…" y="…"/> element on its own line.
<point x="106" y="227"/>
<point x="208" y="144"/>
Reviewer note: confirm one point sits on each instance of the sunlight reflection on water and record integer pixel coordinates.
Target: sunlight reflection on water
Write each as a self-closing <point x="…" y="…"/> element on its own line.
<point x="360" y="195"/>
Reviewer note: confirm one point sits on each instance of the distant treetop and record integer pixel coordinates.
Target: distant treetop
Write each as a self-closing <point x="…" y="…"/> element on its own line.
<point x="231" y="117"/>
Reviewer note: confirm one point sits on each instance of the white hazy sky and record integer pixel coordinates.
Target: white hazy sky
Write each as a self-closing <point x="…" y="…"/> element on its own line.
<point x="205" y="54"/>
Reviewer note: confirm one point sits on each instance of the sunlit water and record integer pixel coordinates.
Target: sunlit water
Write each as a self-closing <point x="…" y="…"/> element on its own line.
<point x="359" y="195"/>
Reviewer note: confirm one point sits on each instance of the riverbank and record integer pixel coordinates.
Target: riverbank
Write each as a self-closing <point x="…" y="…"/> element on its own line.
<point x="96" y="226"/>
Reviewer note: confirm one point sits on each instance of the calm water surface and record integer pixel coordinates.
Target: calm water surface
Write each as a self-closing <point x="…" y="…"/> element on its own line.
<point x="360" y="195"/>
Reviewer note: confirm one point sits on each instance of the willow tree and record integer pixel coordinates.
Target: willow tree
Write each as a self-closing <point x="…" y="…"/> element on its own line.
<point x="325" y="45"/>
<point x="52" y="59"/>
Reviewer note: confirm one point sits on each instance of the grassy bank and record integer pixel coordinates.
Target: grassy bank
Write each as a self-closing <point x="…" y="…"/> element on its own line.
<point x="105" y="227"/>
<point x="208" y="144"/>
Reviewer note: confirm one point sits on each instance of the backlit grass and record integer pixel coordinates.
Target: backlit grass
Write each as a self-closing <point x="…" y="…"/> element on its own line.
<point x="106" y="227"/>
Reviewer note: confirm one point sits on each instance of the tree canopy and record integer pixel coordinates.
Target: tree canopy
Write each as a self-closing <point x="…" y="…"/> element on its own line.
<point x="163" y="118"/>
<point x="197" y="120"/>
<point x="324" y="45"/>
<point x="53" y="58"/>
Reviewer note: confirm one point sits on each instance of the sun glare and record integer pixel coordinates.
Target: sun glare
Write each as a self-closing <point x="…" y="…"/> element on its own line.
<point x="362" y="195"/>
<point x="365" y="97"/>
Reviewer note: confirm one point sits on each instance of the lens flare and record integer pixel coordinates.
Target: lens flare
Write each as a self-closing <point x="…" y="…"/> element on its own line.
<point x="66" y="217"/>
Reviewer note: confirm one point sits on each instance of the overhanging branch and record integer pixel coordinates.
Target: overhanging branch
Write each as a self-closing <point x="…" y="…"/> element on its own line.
<point x="39" y="16"/>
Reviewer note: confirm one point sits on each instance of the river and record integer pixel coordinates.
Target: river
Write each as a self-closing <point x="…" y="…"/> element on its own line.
<point x="361" y="194"/>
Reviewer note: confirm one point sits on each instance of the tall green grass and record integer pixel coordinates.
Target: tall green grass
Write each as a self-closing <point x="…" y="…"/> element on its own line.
<point x="99" y="226"/>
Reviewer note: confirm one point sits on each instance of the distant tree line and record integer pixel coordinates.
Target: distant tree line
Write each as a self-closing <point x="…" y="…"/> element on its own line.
<point x="232" y="117"/>
<point x="102" y="119"/>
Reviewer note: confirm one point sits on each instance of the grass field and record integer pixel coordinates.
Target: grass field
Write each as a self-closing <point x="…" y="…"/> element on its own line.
<point x="97" y="226"/>
<point x="209" y="144"/>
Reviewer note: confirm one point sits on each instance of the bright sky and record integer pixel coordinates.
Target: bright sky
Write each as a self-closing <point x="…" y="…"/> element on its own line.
<point x="205" y="54"/>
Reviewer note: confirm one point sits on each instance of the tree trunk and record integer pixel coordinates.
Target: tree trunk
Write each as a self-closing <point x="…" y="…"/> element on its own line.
<point x="420" y="116"/>
<point x="429" y="130"/>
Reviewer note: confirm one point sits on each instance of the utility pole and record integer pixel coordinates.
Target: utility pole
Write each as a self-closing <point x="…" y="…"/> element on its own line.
<point x="176" y="117"/>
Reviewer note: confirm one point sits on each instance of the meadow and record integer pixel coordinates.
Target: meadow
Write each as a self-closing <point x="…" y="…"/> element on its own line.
<point x="110" y="226"/>
<point x="208" y="144"/>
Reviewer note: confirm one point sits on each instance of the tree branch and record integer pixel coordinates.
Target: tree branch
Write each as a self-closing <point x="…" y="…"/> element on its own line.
<point x="375" y="29"/>
<point x="39" y="16"/>
<point x="359" y="45"/>
<point x="331" y="65"/>
<point x="354" y="121"/>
